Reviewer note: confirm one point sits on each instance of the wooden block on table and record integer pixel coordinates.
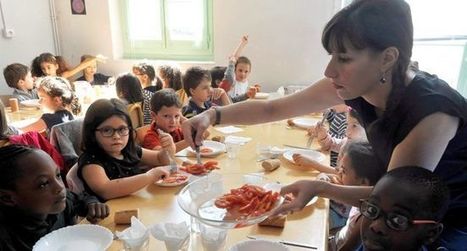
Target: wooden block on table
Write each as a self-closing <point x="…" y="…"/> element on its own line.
<point x="277" y="221"/>
<point x="124" y="217"/>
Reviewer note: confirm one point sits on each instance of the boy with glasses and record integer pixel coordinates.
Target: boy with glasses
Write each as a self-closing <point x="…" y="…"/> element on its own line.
<point x="404" y="211"/>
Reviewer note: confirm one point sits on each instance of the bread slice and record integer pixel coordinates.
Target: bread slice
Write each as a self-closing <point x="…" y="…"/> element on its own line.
<point x="124" y="217"/>
<point x="276" y="221"/>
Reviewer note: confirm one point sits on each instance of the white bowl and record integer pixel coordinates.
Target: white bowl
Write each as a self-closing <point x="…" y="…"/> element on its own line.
<point x="76" y="238"/>
<point x="257" y="245"/>
<point x="315" y="155"/>
<point x="216" y="147"/>
<point x="305" y="123"/>
<point x="198" y="197"/>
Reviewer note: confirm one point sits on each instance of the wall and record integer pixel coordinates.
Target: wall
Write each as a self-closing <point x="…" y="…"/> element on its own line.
<point x="33" y="33"/>
<point x="284" y="43"/>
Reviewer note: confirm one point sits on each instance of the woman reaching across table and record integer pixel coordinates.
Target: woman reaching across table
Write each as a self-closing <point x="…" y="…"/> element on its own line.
<point x="411" y="118"/>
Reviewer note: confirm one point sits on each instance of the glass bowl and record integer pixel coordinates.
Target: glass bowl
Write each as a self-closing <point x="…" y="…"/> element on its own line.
<point x="197" y="198"/>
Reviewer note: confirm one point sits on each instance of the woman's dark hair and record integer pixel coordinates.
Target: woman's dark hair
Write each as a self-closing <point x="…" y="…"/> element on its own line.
<point x="364" y="161"/>
<point x="97" y="113"/>
<point x="375" y="25"/>
<point x="172" y="74"/>
<point x="129" y="88"/>
<point x="165" y="97"/>
<point x="10" y="166"/>
<point x="433" y="192"/>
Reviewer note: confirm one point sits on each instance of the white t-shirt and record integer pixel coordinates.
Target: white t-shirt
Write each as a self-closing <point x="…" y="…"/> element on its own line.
<point x="238" y="88"/>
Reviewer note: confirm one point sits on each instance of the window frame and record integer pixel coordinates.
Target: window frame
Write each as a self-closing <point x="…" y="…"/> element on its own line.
<point x="167" y="49"/>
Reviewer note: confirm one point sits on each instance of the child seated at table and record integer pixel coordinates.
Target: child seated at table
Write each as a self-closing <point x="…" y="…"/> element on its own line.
<point x="197" y="85"/>
<point x="146" y="75"/>
<point x="166" y="111"/>
<point x="90" y="72"/>
<point x="58" y="102"/>
<point x="129" y="90"/>
<point x="111" y="163"/>
<point x="404" y="211"/>
<point x="354" y="131"/>
<point x="235" y="81"/>
<point x="34" y="201"/>
<point x="46" y="64"/>
<point x="358" y="166"/>
<point x="18" y="77"/>
<point x="217" y="75"/>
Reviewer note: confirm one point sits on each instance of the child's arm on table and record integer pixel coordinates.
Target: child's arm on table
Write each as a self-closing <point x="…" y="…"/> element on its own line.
<point x="309" y="163"/>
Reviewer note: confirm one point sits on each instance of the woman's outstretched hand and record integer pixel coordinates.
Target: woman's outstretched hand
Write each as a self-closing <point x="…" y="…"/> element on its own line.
<point x="303" y="191"/>
<point x="197" y="126"/>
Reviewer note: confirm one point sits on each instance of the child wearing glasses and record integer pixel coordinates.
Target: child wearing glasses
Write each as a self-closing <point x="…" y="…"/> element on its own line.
<point x="404" y="211"/>
<point x="34" y="201"/>
<point x="111" y="165"/>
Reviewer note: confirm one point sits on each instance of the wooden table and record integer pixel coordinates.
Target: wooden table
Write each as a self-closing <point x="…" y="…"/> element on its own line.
<point x="158" y="204"/>
<point x="23" y="114"/>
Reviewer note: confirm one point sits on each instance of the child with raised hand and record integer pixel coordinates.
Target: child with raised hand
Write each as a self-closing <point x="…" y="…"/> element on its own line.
<point x="235" y="81"/>
<point x="146" y="75"/>
<point x="34" y="201"/>
<point x="111" y="163"/>
<point x="404" y="211"/>
<point x="129" y="90"/>
<point x="90" y="72"/>
<point x="197" y="85"/>
<point x="47" y="64"/>
<point x="354" y="131"/>
<point x="58" y="101"/>
<point x="18" y="77"/>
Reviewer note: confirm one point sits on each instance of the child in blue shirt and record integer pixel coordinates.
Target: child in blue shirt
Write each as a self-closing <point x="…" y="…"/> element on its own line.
<point x="197" y="85"/>
<point x="18" y="77"/>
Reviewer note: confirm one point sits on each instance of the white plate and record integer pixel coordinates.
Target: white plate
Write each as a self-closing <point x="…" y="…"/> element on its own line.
<point x="315" y="155"/>
<point x="255" y="245"/>
<point x="216" y="147"/>
<point x="261" y="95"/>
<point x="305" y="123"/>
<point x="31" y="103"/>
<point x="76" y="238"/>
<point x="164" y="184"/>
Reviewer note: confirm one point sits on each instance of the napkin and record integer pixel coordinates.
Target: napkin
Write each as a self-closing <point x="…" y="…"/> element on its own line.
<point x="228" y="129"/>
<point x="174" y="235"/>
<point x="135" y="236"/>
<point x="237" y="140"/>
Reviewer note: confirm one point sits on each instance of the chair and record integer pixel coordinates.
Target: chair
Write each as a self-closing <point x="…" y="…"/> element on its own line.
<point x="136" y="114"/>
<point x="140" y="133"/>
<point x="66" y="138"/>
<point x="73" y="181"/>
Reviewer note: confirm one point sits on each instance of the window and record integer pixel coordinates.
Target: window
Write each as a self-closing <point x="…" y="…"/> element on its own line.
<point x="167" y="29"/>
<point x="440" y="39"/>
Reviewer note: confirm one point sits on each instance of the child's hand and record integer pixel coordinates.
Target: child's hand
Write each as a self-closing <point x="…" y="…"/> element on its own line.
<point x="258" y="87"/>
<point x="97" y="211"/>
<point x="304" y="161"/>
<point x="206" y="134"/>
<point x="244" y="39"/>
<point x="101" y="58"/>
<point x="167" y="142"/>
<point x="251" y="93"/>
<point x="158" y="173"/>
<point x="217" y="93"/>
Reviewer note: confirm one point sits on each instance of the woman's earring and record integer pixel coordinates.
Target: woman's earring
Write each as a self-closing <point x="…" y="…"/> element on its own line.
<point x="382" y="80"/>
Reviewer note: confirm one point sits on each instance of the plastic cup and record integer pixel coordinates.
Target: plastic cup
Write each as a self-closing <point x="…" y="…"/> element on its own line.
<point x="232" y="149"/>
<point x="212" y="238"/>
<point x="14" y="105"/>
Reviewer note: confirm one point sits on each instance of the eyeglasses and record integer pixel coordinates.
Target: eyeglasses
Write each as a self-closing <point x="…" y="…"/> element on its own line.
<point x="110" y="131"/>
<point x="394" y="221"/>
